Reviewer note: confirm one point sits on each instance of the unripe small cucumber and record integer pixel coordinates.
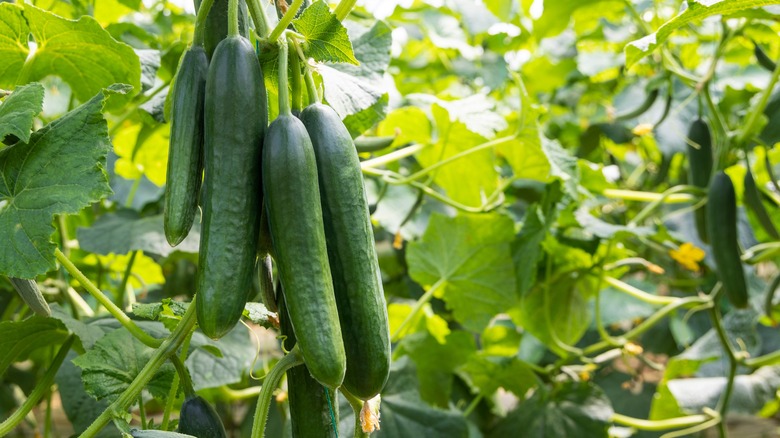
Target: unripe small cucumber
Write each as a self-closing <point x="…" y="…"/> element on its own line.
<point x="28" y="290"/>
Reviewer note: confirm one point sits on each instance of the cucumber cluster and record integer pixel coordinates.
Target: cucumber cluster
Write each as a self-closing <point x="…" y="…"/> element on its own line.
<point x="290" y="195"/>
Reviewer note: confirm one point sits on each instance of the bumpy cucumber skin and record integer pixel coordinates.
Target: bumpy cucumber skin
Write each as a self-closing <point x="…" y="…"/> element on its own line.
<point x="217" y="24"/>
<point x="235" y="118"/>
<point x="292" y="201"/>
<point x="352" y="254"/>
<point x="309" y="409"/>
<point x="199" y="419"/>
<point x="185" y="153"/>
<point x="722" y="223"/>
<point x="28" y="290"/>
<point x="700" y="167"/>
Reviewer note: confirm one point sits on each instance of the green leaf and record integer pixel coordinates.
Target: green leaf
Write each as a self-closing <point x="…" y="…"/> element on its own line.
<point x="59" y="171"/>
<point x="79" y="407"/>
<point x="18" y="339"/>
<point x="326" y="37"/>
<point x="350" y="89"/>
<point x="125" y="231"/>
<point x="470" y="255"/>
<point x="114" y="361"/>
<point x="404" y="414"/>
<point x="80" y="52"/>
<point x="18" y="111"/>
<point x="601" y="228"/>
<point x="488" y="373"/>
<point x="169" y="312"/>
<point x="210" y="371"/>
<point x="697" y="10"/>
<point x="437" y="361"/>
<point x="571" y="410"/>
<point x="13" y="43"/>
<point x="88" y="334"/>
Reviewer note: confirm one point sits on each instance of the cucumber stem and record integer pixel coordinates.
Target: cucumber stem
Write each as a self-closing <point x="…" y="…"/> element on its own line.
<point x="233" y="18"/>
<point x="659" y="425"/>
<point x="40" y="389"/>
<point x="291" y="359"/>
<point x="284" y="93"/>
<point x="128" y="397"/>
<point x="115" y="311"/>
<point x="259" y="17"/>
<point x="344" y="8"/>
<point x="184" y="376"/>
<point x="295" y="81"/>
<point x="287" y="18"/>
<point x="200" y="22"/>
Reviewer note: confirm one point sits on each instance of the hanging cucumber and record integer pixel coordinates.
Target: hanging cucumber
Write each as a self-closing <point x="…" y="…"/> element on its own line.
<point x="236" y="115"/>
<point x="310" y="412"/>
<point x="31" y="295"/>
<point x="185" y="152"/>
<point x="700" y="167"/>
<point x="199" y="419"/>
<point x="353" y="262"/>
<point x="752" y="200"/>
<point x="722" y="224"/>
<point x="292" y="201"/>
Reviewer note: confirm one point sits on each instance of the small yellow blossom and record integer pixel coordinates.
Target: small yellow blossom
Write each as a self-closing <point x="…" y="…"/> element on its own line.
<point x="688" y="255"/>
<point x="584" y="375"/>
<point x="633" y="349"/>
<point x="369" y="415"/>
<point x="642" y="129"/>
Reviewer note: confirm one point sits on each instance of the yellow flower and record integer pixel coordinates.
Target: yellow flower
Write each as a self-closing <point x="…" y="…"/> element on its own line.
<point x="642" y="129"/>
<point x="688" y="255"/>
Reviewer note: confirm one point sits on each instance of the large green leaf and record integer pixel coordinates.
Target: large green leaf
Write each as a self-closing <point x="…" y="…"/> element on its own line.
<point x="114" y="361"/>
<point x="18" y="111"/>
<point x="697" y="10"/>
<point x="571" y="410"/>
<point x="80" y="408"/>
<point x="18" y="339"/>
<point x="80" y="52"/>
<point x="13" y="43"/>
<point x="326" y="37"/>
<point x="470" y="255"/>
<point x="59" y="171"/>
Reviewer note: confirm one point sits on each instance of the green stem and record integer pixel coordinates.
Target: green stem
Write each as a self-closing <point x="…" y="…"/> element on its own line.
<point x="287" y="18"/>
<point x="717" y="322"/>
<point x="142" y="411"/>
<point x="200" y="22"/>
<point x="659" y="425"/>
<point x="293" y="358"/>
<point x="168" y="347"/>
<point x="125" y="278"/>
<point x="634" y="195"/>
<point x="756" y="111"/>
<point x="344" y="8"/>
<point x="650" y="208"/>
<point x="233" y="18"/>
<point x="391" y="157"/>
<point x="311" y="87"/>
<point x="40" y="390"/>
<point x="357" y="407"/>
<point x="115" y="311"/>
<point x="259" y="17"/>
<point x="284" y="92"/>
<point x="638" y="293"/>
<point x="295" y="81"/>
<point x="427" y="296"/>
<point x="185" y="347"/>
<point x="184" y="376"/>
<point x="240" y="394"/>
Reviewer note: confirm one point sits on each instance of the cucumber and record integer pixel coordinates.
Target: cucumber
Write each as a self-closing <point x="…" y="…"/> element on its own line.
<point x="357" y="281"/>
<point x="292" y="201"/>
<point x="236" y="115"/>
<point x="722" y="224"/>
<point x="199" y="419"/>
<point x="266" y="282"/>
<point x="185" y="152"/>
<point x="217" y="24"/>
<point x="700" y="167"/>
<point x="763" y="59"/>
<point x="752" y="200"/>
<point x="310" y="412"/>
<point x="373" y="144"/>
<point x="28" y="290"/>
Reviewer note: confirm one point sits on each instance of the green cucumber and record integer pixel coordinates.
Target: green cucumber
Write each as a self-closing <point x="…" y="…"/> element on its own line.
<point x="353" y="262"/>
<point x="199" y="419"/>
<point x="236" y="115"/>
<point x="217" y="24"/>
<point x="722" y="224"/>
<point x="700" y="167"/>
<point x="292" y="201"/>
<point x="185" y="152"/>
<point x="310" y="412"/>
<point x="266" y="282"/>
<point x="28" y="290"/>
<point x="763" y="59"/>
<point x="373" y="144"/>
<point x="752" y="200"/>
